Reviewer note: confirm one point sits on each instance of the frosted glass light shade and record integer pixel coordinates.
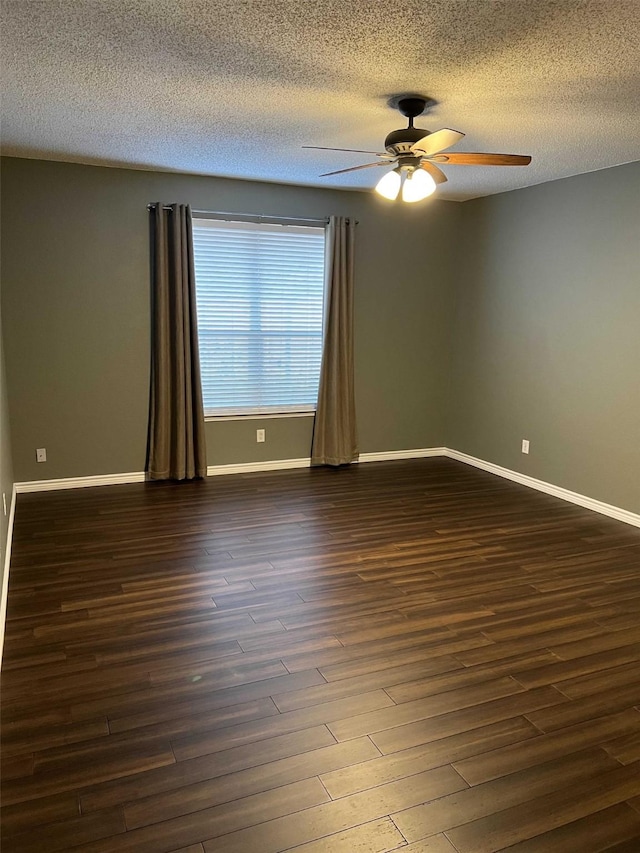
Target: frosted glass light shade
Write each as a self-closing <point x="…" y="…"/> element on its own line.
<point x="418" y="185"/>
<point x="389" y="185"/>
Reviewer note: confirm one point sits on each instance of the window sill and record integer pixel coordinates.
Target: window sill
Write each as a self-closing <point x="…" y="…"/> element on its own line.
<point x="270" y="416"/>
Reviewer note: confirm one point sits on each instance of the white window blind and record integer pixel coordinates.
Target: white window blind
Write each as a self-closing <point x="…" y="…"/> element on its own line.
<point x="260" y="295"/>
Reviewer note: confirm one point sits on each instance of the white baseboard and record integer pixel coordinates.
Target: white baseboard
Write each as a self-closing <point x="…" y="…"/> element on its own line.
<point x="305" y="462"/>
<point x="5" y="571"/>
<point x="417" y="453"/>
<point x="252" y="467"/>
<point x="549" y="489"/>
<point x="80" y="482"/>
<point x="390" y="455"/>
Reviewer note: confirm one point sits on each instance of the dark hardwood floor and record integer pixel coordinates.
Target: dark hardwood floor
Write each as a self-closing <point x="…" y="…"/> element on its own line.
<point x="410" y="655"/>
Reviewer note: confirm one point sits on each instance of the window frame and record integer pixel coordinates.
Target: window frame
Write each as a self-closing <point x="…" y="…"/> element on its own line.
<point x="269" y="412"/>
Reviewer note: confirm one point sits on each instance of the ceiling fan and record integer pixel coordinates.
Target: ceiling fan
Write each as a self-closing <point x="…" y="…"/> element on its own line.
<point x="417" y="154"/>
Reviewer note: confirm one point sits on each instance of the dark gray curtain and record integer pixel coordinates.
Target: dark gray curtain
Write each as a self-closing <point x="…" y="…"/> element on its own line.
<point x="176" y="446"/>
<point x="334" y="434"/>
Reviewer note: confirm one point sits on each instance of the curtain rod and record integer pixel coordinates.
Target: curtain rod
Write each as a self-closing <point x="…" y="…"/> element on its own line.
<point x="237" y="215"/>
<point x="250" y="216"/>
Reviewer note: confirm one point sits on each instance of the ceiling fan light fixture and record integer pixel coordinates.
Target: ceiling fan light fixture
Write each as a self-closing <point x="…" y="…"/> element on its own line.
<point x="389" y="185"/>
<point x="417" y="186"/>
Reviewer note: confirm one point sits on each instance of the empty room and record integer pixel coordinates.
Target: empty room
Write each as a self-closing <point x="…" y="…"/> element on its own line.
<point x="320" y="426"/>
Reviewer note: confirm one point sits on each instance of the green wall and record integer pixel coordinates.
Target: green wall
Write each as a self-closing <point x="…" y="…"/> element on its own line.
<point x="75" y="273"/>
<point x="6" y="462"/>
<point x="547" y="334"/>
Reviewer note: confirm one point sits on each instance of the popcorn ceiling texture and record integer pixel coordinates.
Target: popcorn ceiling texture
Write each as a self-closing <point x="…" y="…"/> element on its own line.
<point x="236" y="87"/>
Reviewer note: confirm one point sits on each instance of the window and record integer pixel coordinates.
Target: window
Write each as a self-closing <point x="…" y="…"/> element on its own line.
<point x="260" y="295"/>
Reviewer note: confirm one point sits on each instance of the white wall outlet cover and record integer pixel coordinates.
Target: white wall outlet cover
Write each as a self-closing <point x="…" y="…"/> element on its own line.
<point x="260" y="435"/>
<point x="525" y="445"/>
<point x="41" y="454"/>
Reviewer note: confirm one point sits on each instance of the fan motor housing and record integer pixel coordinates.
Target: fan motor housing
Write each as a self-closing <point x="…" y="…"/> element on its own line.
<point x="400" y="141"/>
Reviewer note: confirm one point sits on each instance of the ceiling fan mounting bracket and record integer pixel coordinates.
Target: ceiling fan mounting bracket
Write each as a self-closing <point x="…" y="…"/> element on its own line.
<point x="411" y="104"/>
<point x="411" y="107"/>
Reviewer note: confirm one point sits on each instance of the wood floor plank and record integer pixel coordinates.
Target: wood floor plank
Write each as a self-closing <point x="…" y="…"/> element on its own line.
<point x="26" y="815"/>
<point x="221" y="674"/>
<point x="372" y="662"/>
<point x="216" y="821"/>
<point x="339" y="815"/>
<point x="243" y="783"/>
<point x="595" y="682"/>
<point x="409" y="762"/>
<point x="467" y="719"/>
<point x="595" y="833"/>
<point x="238" y="811"/>
<point x="509" y="826"/>
<point x="51" y="736"/>
<point x="379" y="836"/>
<point x="85" y="771"/>
<point x="560" y="670"/>
<point x="183" y="718"/>
<point x="625" y="749"/>
<point x="199" y="693"/>
<point x="435" y="844"/>
<point x="422" y="709"/>
<point x="634" y="802"/>
<point x="536" y="750"/>
<point x="554" y="621"/>
<point x="17" y="765"/>
<point x="550" y="612"/>
<point x="605" y="640"/>
<point x="588" y="707"/>
<point x="321" y="660"/>
<point x="483" y="801"/>
<point x="436" y="638"/>
<point x="385" y="678"/>
<point x="182" y="773"/>
<point x="190" y="746"/>
<point x="72" y="832"/>
<point x="465" y="676"/>
<point x="548" y="640"/>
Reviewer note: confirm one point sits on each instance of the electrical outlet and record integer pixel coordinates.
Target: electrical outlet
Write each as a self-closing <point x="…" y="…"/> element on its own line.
<point x="260" y="435"/>
<point x="525" y="445"/>
<point x="4" y="503"/>
<point x="41" y="454"/>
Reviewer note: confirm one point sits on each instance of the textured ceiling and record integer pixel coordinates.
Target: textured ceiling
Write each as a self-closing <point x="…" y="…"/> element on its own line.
<point x="236" y="87"/>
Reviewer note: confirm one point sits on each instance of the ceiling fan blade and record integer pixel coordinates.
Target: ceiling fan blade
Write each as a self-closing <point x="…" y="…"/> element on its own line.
<point x="437" y="174"/>
<point x="355" y="168"/>
<point x="354" y="150"/>
<point x="469" y="159"/>
<point x="438" y="141"/>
